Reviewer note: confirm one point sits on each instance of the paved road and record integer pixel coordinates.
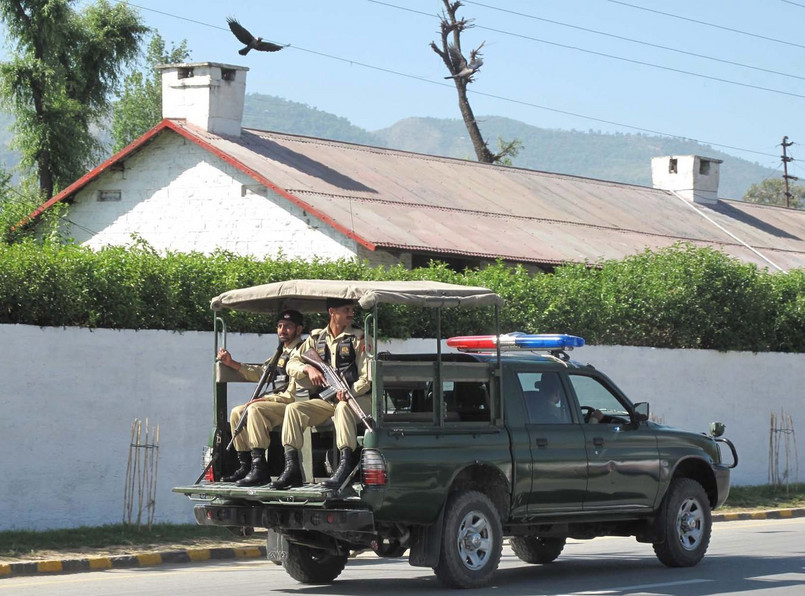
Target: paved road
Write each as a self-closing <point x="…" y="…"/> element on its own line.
<point x="764" y="557"/>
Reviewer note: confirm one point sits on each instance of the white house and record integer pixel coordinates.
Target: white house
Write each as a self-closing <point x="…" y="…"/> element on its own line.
<point x="199" y="181"/>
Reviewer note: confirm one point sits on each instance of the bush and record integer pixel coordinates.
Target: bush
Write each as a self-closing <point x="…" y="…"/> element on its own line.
<point x="680" y="297"/>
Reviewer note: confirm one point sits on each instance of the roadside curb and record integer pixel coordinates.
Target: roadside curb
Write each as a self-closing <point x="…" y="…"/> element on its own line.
<point x="191" y="555"/>
<point x="771" y="514"/>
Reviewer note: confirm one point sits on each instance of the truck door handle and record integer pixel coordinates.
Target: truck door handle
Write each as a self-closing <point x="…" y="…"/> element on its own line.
<point x="542" y="442"/>
<point x="598" y="441"/>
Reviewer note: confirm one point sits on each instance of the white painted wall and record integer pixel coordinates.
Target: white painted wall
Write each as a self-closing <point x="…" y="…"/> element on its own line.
<point x="69" y="397"/>
<point x="182" y="198"/>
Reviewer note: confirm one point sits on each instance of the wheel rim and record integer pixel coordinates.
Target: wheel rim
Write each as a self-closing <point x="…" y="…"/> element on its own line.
<point x="690" y="524"/>
<point x="474" y="540"/>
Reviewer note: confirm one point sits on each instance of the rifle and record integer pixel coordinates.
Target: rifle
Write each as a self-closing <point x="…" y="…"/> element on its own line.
<point x="268" y="375"/>
<point x="337" y="382"/>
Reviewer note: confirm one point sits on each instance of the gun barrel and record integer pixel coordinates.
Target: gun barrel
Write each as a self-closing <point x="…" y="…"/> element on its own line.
<point x="337" y="382"/>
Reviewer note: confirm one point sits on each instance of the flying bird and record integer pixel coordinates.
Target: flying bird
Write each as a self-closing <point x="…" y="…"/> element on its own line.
<point x="252" y="42"/>
<point x="460" y="67"/>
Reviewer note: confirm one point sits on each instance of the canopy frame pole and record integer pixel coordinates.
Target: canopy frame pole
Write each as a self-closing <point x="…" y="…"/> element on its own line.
<point x="438" y="397"/>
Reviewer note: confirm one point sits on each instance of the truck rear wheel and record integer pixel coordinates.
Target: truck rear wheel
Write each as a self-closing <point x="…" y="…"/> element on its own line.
<point x="472" y="539"/>
<point x="535" y="549"/>
<point x="685" y="517"/>
<point x="312" y="565"/>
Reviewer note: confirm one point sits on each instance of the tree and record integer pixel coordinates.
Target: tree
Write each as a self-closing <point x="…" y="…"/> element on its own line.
<point x="16" y="204"/>
<point x="66" y="63"/>
<point x="463" y="71"/>
<point x="140" y="105"/>
<point x="772" y="192"/>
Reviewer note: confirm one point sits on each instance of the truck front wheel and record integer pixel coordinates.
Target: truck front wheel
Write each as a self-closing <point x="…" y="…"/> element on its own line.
<point x="686" y="520"/>
<point x="313" y="566"/>
<point x="534" y="549"/>
<point x="472" y="539"/>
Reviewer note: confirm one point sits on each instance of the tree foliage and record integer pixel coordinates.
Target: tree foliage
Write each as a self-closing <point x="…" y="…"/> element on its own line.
<point x="139" y="107"/>
<point x="65" y="64"/>
<point x="462" y="71"/>
<point x="17" y="203"/>
<point x="772" y="192"/>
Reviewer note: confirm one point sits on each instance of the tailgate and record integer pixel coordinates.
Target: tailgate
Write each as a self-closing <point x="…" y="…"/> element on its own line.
<point x="311" y="494"/>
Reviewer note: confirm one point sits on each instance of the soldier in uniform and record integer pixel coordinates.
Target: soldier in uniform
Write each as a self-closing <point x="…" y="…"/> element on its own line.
<point x="342" y="346"/>
<point x="265" y="412"/>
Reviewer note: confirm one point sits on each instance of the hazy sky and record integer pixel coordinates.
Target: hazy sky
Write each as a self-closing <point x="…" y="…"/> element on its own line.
<point x="567" y="64"/>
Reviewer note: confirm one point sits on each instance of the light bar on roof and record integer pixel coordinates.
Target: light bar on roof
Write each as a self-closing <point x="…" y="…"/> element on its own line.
<point x="517" y="341"/>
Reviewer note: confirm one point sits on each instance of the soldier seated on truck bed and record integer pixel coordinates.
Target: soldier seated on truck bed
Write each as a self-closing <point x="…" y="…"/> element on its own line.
<point x="266" y="412"/>
<point x="342" y="346"/>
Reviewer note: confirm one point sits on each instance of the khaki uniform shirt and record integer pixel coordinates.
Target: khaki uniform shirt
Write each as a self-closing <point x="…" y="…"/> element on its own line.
<point x="296" y="366"/>
<point x="253" y="372"/>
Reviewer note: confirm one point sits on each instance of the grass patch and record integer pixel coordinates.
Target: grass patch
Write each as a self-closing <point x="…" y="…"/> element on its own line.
<point x="766" y="497"/>
<point x="15" y="543"/>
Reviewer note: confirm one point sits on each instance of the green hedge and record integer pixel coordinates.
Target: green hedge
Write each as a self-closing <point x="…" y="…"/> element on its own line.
<point x="682" y="297"/>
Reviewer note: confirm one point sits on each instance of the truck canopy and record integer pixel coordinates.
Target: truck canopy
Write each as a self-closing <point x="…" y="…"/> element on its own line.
<point x="310" y="295"/>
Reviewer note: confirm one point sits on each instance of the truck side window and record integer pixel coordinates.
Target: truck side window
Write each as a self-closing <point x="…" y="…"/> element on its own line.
<point x="545" y="398"/>
<point x="592" y="396"/>
<point x="466" y="401"/>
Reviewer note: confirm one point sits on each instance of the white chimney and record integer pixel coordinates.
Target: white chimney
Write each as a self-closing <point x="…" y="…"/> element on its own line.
<point x="693" y="177"/>
<point x="207" y="94"/>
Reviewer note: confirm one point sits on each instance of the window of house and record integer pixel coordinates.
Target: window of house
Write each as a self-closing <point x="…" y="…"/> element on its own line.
<point x="672" y="166"/>
<point x="105" y="196"/>
<point x="704" y="167"/>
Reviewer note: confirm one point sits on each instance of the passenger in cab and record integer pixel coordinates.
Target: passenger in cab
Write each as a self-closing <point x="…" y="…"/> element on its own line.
<point x="267" y="411"/>
<point x="342" y="346"/>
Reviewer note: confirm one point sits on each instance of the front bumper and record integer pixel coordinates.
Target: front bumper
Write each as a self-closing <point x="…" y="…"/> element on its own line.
<point x="722" y="473"/>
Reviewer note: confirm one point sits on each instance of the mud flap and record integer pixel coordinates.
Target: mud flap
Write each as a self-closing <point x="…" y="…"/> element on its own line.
<point x="426" y="542"/>
<point x="276" y="547"/>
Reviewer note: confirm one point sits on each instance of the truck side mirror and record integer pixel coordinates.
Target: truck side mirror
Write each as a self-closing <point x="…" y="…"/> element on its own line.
<point x="641" y="411"/>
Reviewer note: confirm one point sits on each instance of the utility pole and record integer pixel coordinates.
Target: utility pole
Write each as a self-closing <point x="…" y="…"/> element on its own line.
<point x="786" y="143"/>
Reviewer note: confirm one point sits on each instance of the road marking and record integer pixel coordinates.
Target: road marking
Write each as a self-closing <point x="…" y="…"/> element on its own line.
<point x="643" y="587"/>
<point x="779" y="577"/>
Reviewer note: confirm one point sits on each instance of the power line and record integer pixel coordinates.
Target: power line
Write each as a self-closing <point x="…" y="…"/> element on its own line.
<point x="676" y="16"/>
<point x="636" y="41"/>
<point x="605" y="55"/>
<point x="794" y="3"/>
<point x="490" y="95"/>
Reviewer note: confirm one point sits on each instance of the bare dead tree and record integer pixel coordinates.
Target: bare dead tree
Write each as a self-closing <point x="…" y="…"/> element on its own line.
<point x="462" y="71"/>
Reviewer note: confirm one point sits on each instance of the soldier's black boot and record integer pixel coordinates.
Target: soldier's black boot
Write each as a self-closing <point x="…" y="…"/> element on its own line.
<point x="345" y="467"/>
<point x="258" y="474"/>
<point x="292" y="474"/>
<point x="245" y="459"/>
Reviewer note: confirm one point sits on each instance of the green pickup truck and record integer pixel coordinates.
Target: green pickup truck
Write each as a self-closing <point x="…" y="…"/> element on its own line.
<point x="501" y="436"/>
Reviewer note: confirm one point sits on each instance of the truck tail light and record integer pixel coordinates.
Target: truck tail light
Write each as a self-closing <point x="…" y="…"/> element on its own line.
<point x="373" y="468"/>
<point x="206" y="457"/>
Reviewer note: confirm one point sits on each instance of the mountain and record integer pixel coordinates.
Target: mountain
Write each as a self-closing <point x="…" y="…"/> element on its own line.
<point x="266" y="112"/>
<point x="616" y="157"/>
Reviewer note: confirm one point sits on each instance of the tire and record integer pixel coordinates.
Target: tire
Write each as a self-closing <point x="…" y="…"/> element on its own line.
<point x="533" y="549"/>
<point x="685" y="517"/>
<point x="472" y="539"/>
<point x="313" y="566"/>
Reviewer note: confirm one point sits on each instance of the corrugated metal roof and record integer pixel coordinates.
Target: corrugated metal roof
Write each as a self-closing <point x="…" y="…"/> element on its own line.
<point x="415" y="202"/>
